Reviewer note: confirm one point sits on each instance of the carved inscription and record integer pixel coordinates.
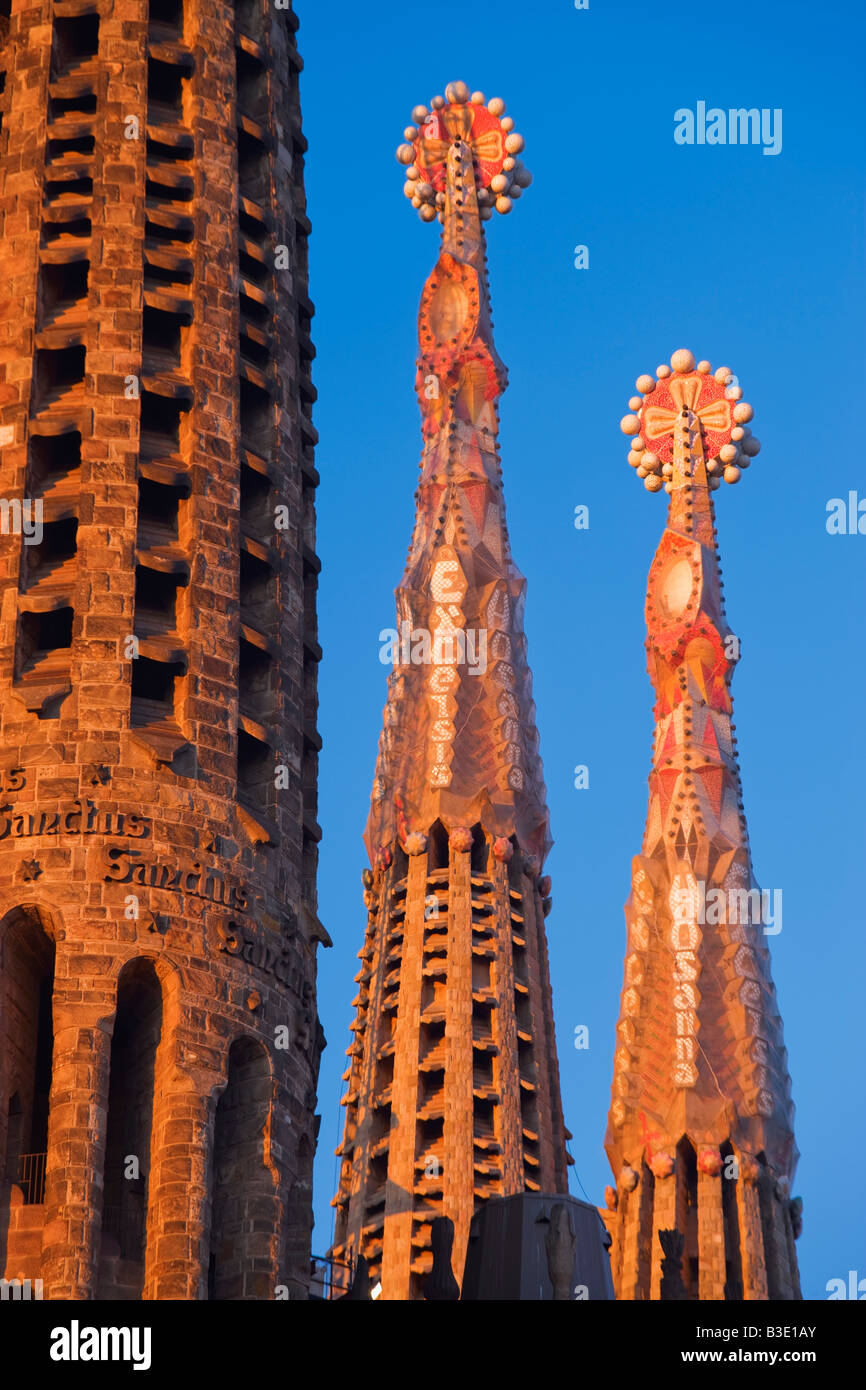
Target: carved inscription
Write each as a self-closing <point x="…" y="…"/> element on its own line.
<point x="70" y="818"/>
<point x="125" y="865"/>
<point x="275" y="957"/>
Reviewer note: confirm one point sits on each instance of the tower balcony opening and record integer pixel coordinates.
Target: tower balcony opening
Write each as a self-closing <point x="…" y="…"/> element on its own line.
<point x="41" y="634"/>
<point x="76" y="41"/>
<point x="165" y="90"/>
<point x="159" y="513"/>
<point x="54" y="461"/>
<point x="252" y="84"/>
<point x="77" y="104"/>
<point x="50" y="560"/>
<point x="56" y="372"/>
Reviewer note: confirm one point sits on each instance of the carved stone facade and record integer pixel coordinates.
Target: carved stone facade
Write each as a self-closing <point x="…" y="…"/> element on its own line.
<point x="453" y="1080"/>
<point x="158" y="746"/>
<point x="700" y="1132"/>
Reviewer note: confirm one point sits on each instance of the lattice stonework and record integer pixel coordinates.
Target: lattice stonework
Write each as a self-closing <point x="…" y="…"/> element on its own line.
<point x="700" y="1133"/>
<point x="453" y="1085"/>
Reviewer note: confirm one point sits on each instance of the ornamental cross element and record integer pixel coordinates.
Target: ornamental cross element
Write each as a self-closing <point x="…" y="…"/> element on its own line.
<point x="476" y="126"/>
<point x="684" y="413"/>
<point x="464" y="119"/>
<point x="714" y="415"/>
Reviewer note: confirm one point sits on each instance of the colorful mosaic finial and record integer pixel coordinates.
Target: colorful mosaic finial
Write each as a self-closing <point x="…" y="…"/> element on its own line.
<point x="500" y="177"/>
<point x="689" y="425"/>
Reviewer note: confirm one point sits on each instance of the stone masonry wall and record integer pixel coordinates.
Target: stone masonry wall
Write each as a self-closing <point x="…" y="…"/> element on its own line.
<point x="157" y="639"/>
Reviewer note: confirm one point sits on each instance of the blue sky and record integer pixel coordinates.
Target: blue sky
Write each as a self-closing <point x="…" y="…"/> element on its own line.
<point x="750" y="260"/>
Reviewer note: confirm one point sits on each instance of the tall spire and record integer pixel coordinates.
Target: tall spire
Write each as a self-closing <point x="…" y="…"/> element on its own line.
<point x="700" y="1127"/>
<point x="460" y="742"/>
<point x="453" y="1084"/>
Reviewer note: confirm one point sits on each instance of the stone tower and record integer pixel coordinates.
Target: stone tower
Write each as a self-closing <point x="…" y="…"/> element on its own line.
<point x="453" y="1082"/>
<point x="158" y="835"/>
<point x="700" y="1131"/>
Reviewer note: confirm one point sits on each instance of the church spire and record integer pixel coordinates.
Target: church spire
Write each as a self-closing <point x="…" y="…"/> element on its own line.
<point x="460" y="743"/>
<point x="700" y="1128"/>
<point x="453" y="1081"/>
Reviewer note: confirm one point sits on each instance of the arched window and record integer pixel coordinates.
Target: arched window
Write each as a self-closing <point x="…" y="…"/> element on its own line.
<point x="437" y="847"/>
<point x="26" y="1048"/>
<point x="136" y="1037"/>
<point x="244" y="1205"/>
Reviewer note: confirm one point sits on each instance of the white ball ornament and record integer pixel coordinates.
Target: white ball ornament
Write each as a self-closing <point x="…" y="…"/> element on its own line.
<point x="503" y="204"/>
<point x="683" y="360"/>
<point x="426" y="213"/>
<point x="629" y="424"/>
<point x="496" y="106"/>
<point x="514" y="143"/>
<point x="728" y="453"/>
<point x="409" y="133"/>
<point x="499" y="183"/>
<point x="738" y="432"/>
<point x="641" y="471"/>
<point x="419" y="114"/>
<point x="507" y="124"/>
<point x="634" y="458"/>
<point x="508" y="164"/>
<point x="732" y="473"/>
<point x="645" y="384"/>
<point x="653" y="483"/>
<point x="416" y="201"/>
<point x="638" y="444"/>
<point x="734" y="393"/>
<point x="668" y="470"/>
<point x="412" y="172"/>
<point x="650" y="460"/>
<point x="663" y="371"/>
<point x="742" y="413"/>
<point x="477" y="98"/>
<point x="635" y="402"/>
<point x="704" y="368"/>
<point x="669" y="487"/>
<point x="405" y="153"/>
<point x="409" y="188"/>
<point x="457" y="92"/>
<point x="722" y="375"/>
<point x="712" y="465"/>
<point x="437" y="103"/>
